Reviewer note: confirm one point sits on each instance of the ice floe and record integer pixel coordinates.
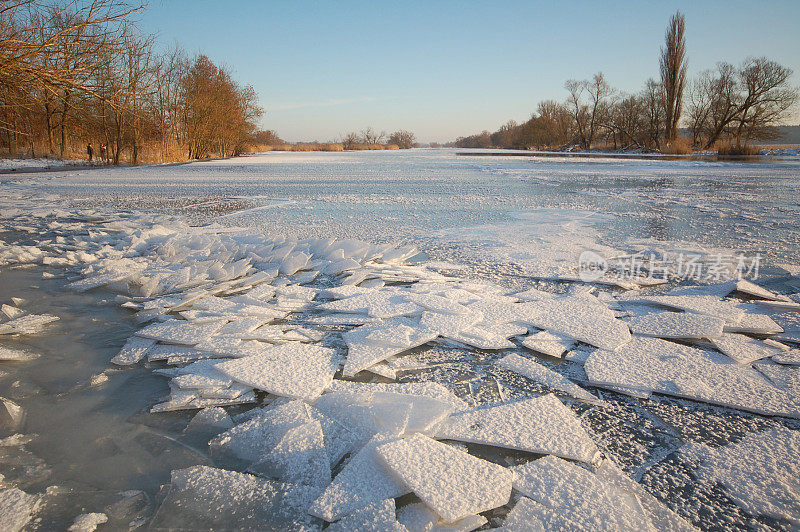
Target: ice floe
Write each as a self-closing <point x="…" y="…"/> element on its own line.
<point x="655" y="365"/>
<point x="469" y="485"/>
<point x="290" y="370"/>
<point x="539" y="425"/>
<point x="677" y="325"/>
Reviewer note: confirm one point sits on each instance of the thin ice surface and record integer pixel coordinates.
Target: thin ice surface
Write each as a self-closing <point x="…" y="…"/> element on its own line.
<point x="539" y="373"/>
<point x="211" y="498"/>
<point x="761" y="472"/>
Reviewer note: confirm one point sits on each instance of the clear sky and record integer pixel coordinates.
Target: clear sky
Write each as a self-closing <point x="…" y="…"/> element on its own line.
<point x="445" y="68"/>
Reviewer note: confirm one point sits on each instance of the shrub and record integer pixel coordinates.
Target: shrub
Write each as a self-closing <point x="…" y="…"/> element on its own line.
<point x="737" y="150"/>
<point x="679" y="146"/>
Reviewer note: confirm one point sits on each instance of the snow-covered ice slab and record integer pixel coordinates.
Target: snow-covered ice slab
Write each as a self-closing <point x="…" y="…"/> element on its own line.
<point x="547" y="343"/>
<point x="576" y="319"/>
<point x="417" y="517"/>
<point x="755" y="321"/>
<point x="16" y="509"/>
<point x="656" y="365"/>
<point x="743" y="349"/>
<point x="28" y="324"/>
<point x="746" y="287"/>
<point x="539" y="425"/>
<point x="181" y="332"/>
<point x="376" y="517"/>
<point x="543" y="375"/>
<point x="761" y="473"/>
<point x="450" y="481"/>
<point x="700" y="304"/>
<point x="8" y="354"/>
<point x="433" y="390"/>
<point x="374" y="303"/>
<point x="367" y="345"/>
<point x="210" y="498"/>
<point x="300" y="457"/>
<point x="364" y="480"/>
<point x="580" y="496"/>
<point x="290" y="370"/>
<point x="133" y="351"/>
<point x="677" y="325"/>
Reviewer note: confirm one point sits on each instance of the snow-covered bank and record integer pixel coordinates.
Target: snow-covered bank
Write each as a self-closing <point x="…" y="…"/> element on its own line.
<point x="41" y="163"/>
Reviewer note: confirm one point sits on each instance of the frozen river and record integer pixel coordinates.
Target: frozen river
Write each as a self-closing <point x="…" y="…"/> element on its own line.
<point x="514" y="223"/>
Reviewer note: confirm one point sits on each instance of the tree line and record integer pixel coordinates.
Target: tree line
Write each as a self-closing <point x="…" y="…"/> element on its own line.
<point x="728" y="104"/>
<point x="78" y="72"/>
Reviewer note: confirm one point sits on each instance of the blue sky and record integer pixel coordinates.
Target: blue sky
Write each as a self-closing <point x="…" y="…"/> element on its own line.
<point x="444" y="68"/>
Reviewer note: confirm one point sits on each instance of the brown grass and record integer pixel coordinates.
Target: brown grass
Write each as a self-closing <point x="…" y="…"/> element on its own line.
<point x="737" y="150"/>
<point x="679" y="146"/>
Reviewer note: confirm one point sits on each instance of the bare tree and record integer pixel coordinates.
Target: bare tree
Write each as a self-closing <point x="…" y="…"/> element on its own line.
<point x="402" y="139"/>
<point x="600" y="94"/>
<point x="673" y="74"/>
<point x="350" y="140"/>
<point x="744" y="103"/>
<point x="369" y="136"/>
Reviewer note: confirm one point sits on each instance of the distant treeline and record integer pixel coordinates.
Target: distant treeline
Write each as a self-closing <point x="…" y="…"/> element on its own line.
<point x="79" y="72"/>
<point x="367" y="139"/>
<point x="728" y="105"/>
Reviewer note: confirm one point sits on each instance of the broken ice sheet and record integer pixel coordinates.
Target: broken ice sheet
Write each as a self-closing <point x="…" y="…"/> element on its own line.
<point x="539" y="425"/>
<point x="656" y="365"/>
<point x="463" y="485"/>
<point x="548" y="343"/>
<point x="17" y="355"/>
<point x="16" y="509"/>
<point x="300" y="457"/>
<point x="132" y="352"/>
<point x="211" y="498"/>
<point x="363" y="352"/>
<point x="543" y="375"/>
<point x="181" y="332"/>
<point x="87" y="522"/>
<point x="254" y="438"/>
<point x="743" y="349"/>
<point x="761" y="473"/>
<point x="376" y="517"/>
<point x="365" y="479"/>
<point x="290" y="370"/>
<point x="417" y="517"/>
<point x="584" y="499"/>
<point x="677" y="325"/>
<point x="700" y="304"/>
<point x="28" y="324"/>
<point x="575" y="318"/>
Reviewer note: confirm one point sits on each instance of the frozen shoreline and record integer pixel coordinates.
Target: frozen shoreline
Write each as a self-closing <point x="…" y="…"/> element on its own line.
<point x="223" y="318"/>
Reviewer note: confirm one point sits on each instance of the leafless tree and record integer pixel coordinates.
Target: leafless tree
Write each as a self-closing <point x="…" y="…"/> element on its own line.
<point x="403" y="139"/>
<point x="673" y="67"/>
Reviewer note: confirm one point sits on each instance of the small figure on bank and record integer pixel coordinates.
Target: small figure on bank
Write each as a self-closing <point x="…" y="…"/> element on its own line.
<point x="89" y="151"/>
<point x="103" y="149"/>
